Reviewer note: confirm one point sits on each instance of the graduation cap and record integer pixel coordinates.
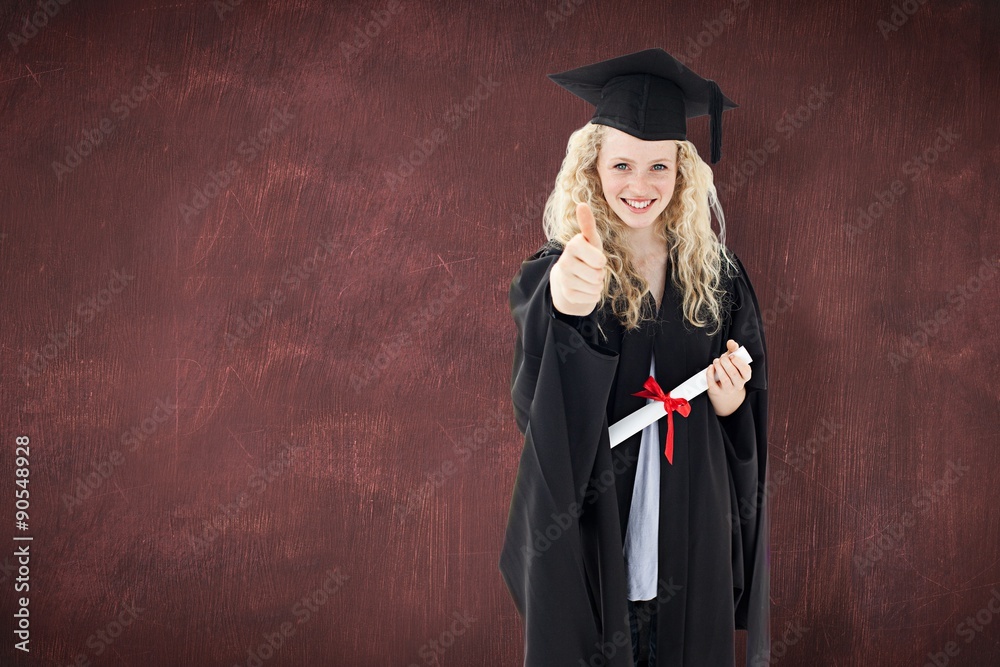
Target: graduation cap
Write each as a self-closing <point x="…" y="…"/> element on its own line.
<point x="648" y="94"/>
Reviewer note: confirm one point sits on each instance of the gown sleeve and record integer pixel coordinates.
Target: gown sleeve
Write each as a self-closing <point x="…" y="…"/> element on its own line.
<point x="531" y="307"/>
<point x="745" y="436"/>
<point x="562" y="588"/>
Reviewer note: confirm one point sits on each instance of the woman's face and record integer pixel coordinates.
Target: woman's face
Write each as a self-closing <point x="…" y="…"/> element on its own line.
<point x="637" y="176"/>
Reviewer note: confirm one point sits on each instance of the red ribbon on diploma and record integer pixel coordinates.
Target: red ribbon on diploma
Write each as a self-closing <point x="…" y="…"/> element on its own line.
<point x="681" y="405"/>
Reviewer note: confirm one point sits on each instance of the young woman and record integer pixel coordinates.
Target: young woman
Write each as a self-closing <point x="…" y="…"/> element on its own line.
<point x="655" y="551"/>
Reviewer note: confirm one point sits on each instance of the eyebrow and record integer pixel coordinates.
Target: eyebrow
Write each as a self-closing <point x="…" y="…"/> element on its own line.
<point x="625" y="159"/>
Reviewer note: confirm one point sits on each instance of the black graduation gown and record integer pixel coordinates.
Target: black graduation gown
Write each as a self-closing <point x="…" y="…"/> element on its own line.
<point x="562" y="558"/>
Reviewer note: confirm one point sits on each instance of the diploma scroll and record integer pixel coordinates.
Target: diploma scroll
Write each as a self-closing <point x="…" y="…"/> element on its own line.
<point x="643" y="417"/>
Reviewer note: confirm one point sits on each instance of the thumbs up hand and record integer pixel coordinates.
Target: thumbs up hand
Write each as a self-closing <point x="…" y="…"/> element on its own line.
<point x="588" y="226"/>
<point x="577" y="278"/>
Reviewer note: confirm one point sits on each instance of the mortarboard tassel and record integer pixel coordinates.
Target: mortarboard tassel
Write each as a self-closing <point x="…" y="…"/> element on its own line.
<point x="715" y="110"/>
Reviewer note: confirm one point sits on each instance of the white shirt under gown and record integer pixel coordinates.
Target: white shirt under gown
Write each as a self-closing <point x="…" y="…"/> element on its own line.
<point x="641" y="536"/>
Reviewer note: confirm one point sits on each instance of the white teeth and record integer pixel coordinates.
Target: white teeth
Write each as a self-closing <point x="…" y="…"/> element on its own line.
<point x="636" y="204"/>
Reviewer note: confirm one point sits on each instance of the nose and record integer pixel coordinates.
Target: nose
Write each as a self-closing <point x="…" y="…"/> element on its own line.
<point x="638" y="183"/>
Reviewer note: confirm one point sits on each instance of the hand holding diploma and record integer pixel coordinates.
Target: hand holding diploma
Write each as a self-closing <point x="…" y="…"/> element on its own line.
<point x="577" y="278"/>
<point x="693" y="386"/>
<point x="726" y="378"/>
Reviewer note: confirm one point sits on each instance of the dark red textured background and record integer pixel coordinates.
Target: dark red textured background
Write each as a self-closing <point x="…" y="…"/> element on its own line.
<point x="380" y="363"/>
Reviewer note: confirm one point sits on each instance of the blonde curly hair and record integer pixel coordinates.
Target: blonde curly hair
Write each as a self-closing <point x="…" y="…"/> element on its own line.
<point x="695" y="254"/>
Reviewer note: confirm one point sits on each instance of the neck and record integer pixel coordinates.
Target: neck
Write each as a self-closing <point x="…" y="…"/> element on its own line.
<point x="642" y="242"/>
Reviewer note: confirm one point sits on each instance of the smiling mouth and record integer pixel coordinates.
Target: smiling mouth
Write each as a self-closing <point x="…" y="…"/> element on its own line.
<point x="638" y="205"/>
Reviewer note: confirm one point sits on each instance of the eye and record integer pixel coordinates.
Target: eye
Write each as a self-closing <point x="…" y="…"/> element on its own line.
<point x="620" y="164"/>
<point x="659" y="167"/>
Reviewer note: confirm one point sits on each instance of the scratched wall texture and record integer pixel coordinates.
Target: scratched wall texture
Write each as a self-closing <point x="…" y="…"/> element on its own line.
<point x="255" y="266"/>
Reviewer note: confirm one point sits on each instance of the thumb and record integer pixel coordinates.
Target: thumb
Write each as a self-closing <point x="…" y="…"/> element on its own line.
<point x="588" y="226"/>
